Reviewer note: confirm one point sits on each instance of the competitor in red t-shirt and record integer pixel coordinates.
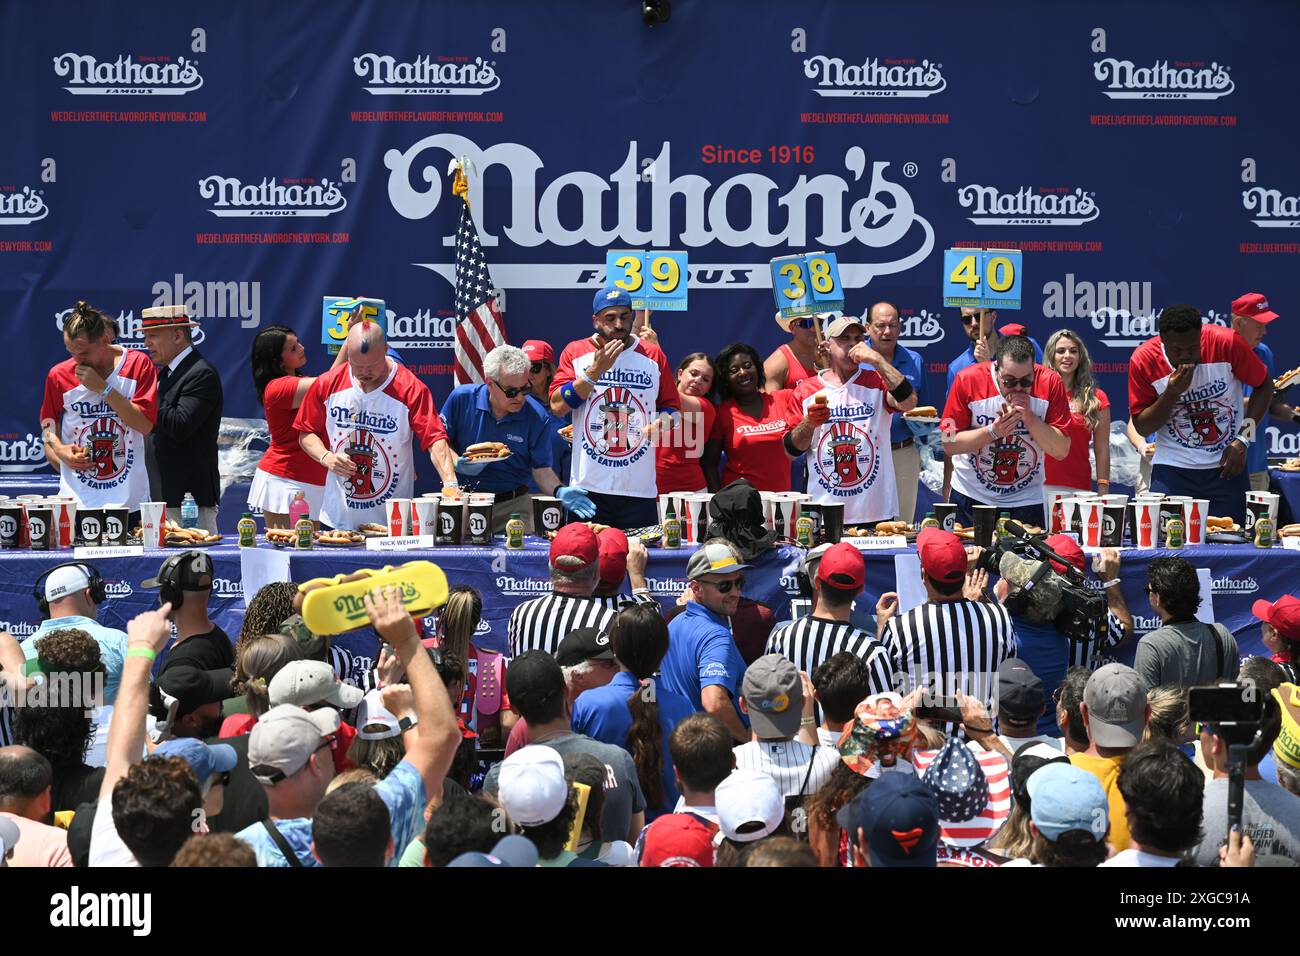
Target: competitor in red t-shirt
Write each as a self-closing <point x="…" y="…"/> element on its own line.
<point x="751" y="424"/>
<point x="797" y="359"/>
<point x="99" y="405"/>
<point x="1001" y="420"/>
<point x="677" y="465"/>
<point x="1186" y="386"/>
<point x="285" y="469"/>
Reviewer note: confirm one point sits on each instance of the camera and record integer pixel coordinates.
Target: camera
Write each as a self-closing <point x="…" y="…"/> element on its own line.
<point x="1233" y="713"/>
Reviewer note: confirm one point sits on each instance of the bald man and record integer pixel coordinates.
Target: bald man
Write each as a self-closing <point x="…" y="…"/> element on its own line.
<point x="360" y="420"/>
<point x="883" y="330"/>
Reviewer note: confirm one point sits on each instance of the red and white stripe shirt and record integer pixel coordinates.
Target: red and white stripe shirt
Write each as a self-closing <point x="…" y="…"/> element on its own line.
<point x="612" y="452"/>
<point x="376" y="430"/>
<point x="86" y="419"/>
<point x="1008" y="471"/>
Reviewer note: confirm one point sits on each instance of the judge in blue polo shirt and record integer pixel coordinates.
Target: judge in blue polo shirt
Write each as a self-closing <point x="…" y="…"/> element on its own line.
<point x="703" y="663"/>
<point x="502" y="410"/>
<point x="883" y="328"/>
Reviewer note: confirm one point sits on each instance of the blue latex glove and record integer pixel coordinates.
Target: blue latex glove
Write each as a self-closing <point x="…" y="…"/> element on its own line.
<point x="576" y="501"/>
<point x="466" y="467"/>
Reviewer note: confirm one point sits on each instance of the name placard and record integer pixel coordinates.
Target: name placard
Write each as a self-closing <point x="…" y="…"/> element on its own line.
<point x="882" y="542"/>
<point x="406" y="542"/>
<point x="111" y="551"/>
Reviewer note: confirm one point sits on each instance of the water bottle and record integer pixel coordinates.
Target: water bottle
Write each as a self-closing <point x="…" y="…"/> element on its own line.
<point x="298" y="509"/>
<point x="189" y="512"/>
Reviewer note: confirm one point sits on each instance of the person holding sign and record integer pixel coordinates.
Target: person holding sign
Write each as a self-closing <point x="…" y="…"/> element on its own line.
<point x="1186" y="385"/>
<point x="285" y="469"/>
<point x="797" y="359"/>
<point x="99" y="406"/>
<point x="845" y="425"/>
<point x="621" y="391"/>
<point x="359" y="420"/>
<point x="502" y="411"/>
<point x="1001" y="421"/>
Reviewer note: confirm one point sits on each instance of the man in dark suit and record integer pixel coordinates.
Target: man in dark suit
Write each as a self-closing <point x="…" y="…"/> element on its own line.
<point x="183" y="446"/>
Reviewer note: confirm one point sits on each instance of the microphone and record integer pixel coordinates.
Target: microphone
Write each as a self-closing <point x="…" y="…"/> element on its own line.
<point x="1037" y="582"/>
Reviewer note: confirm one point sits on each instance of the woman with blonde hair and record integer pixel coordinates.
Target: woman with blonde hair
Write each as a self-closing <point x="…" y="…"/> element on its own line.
<point x="1089" y="418"/>
<point x="260" y="658"/>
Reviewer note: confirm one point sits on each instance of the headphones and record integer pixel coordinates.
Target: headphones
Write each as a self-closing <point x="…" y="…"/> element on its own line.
<point x="95" y="584"/>
<point x="175" y="571"/>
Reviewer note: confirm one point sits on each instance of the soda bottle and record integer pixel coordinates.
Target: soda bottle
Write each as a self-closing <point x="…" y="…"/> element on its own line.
<point x="247" y="528"/>
<point x="515" y="532"/>
<point x="189" y="512"/>
<point x="672" y="527"/>
<point x="298" y="508"/>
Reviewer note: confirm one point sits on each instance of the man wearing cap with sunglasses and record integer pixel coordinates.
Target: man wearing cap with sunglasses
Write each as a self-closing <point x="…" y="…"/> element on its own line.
<point x="622" y="394"/>
<point x="1251" y="315"/>
<point x="703" y="663"/>
<point x="1001" y="420"/>
<point x="503" y="410"/>
<point x="849" y="461"/>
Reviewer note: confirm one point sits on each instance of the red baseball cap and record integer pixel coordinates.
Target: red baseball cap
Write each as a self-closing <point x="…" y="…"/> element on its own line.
<point x="578" y="541"/>
<point x="539" y="351"/>
<point x="1067" y="548"/>
<point x="678" y="839"/>
<point x="1253" y="305"/>
<point x="843" y="568"/>
<point x="943" y="557"/>
<point x="1283" y="614"/>
<point x="1013" y="328"/>
<point x="613" y="557"/>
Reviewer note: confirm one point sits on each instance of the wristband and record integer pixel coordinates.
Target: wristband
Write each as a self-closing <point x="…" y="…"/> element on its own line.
<point x="589" y="380"/>
<point x="570" y="395"/>
<point x="979" y="730"/>
<point x="807" y="721"/>
<point x="1111" y="583"/>
<point x="903" y="390"/>
<point x="147" y="652"/>
<point x="107" y="388"/>
<point x="1241" y="435"/>
<point x="992" y="434"/>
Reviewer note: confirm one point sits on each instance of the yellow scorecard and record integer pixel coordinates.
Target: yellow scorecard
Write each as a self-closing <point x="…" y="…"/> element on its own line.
<point x="335" y="605"/>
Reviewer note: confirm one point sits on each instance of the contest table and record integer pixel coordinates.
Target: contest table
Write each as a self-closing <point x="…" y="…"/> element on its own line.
<point x="1241" y="574"/>
<point x="1286" y="484"/>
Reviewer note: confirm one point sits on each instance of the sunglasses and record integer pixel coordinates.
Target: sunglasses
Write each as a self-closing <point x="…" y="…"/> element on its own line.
<point x="807" y="323"/>
<point x="536" y="368"/>
<point x="512" y="392"/>
<point x="724" y="587"/>
<point x="1009" y="383"/>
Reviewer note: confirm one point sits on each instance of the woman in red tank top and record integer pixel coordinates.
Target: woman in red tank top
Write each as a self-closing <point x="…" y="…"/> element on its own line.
<point x="1089" y="417"/>
<point x="794" y="361"/>
<point x="677" y="465"/>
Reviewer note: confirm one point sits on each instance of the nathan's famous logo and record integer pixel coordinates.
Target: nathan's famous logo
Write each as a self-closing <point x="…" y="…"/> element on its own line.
<point x="1121" y="312"/>
<point x="106" y="439"/>
<point x="226" y="588"/>
<point x="22" y="453"/>
<point x="1271" y="209"/>
<point x="920" y="328"/>
<point x="22" y="208"/>
<point x="526" y="587"/>
<point x="1227" y="585"/>
<point x="1203" y="422"/>
<point x="990" y="206"/>
<point x="1282" y="444"/>
<point x="874" y="78"/>
<point x="130" y="330"/>
<point x="616" y="429"/>
<point x="876" y="232"/>
<point x="425" y="76"/>
<point x="118" y="589"/>
<point x="271" y="197"/>
<point x="424" y="329"/>
<point x="87" y="75"/>
<point x="375" y="473"/>
<point x="1125" y="80"/>
<point x="1008" y="465"/>
<point x="846" y="458"/>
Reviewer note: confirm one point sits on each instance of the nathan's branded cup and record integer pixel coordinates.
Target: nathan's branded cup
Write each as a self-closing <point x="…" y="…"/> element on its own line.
<point x="785" y="512"/>
<point x="548" y="513"/>
<point x="11" y="526"/>
<point x="1146" y="523"/>
<point x="451" y="521"/>
<point x="89" y="531"/>
<point x="152" y="515"/>
<point x="1093" y="513"/>
<point x="947" y="515"/>
<point x="813" y="512"/>
<point x="40" y="525"/>
<point x="1112" y="525"/>
<point x="115" y="519"/>
<point x="1260" y="497"/>
<point x="1198" y="510"/>
<point x="985" y="519"/>
<point x="478" y="520"/>
<point x="398" y="513"/>
<point x="424" y="515"/>
<point x="833" y="523"/>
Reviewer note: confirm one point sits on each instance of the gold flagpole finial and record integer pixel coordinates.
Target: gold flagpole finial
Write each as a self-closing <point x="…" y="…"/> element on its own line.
<point x="460" y="183"/>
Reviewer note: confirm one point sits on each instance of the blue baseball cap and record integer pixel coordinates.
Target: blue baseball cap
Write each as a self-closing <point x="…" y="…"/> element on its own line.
<point x="899" y="816"/>
<point x="510" y="851"/>
<point x="204" y="759"/>
<point x="610" y="297"/>
<point x="1063" y="797"/>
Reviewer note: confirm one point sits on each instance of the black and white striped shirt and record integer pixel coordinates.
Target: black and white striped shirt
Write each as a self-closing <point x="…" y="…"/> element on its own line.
<point x="8" y="718"/>
<point x="617" y="602"/>
<point x="952" y="646"/>
<point x="810" y="641"/>
<point x="540" y="624"/>
<point x="1089" y="653"/>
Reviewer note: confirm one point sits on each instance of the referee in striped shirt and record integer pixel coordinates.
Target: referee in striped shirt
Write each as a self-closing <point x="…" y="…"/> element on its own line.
<point x="540" y="624"/>
<point x="809" y="641"/>
<point x="956" y="639"/>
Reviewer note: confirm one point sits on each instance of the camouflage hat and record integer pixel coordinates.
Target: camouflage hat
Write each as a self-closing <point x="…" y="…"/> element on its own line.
<point x="881" y="731"/>
<point x="312" y="645"/>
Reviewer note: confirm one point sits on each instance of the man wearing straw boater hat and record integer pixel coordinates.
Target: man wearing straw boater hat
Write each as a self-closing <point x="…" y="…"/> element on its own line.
<point x="183" y="446"/>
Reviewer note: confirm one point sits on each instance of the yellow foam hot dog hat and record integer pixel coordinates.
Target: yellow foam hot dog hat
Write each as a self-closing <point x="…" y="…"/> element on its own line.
<point x="333" y="605"/>
<point x="1287" y="745"/>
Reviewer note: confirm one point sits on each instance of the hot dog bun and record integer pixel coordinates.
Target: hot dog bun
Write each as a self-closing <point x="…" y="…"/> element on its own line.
<point x="922" y="411"/>
<point x="487" y="450"/>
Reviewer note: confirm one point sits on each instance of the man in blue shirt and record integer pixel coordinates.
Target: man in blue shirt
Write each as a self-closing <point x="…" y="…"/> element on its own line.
<point x="542" y="369"/>
<point x="703" y="664"/>
<point x="72" y="605"/>
<point x="882" y="329"/>
<point x="1250" y="318"/>
<point x="502" y="410"/>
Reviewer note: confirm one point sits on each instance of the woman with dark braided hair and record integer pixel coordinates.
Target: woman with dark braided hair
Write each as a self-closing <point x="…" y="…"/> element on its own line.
<point x="634" y="711"/>
<point x="285" y="469"/>
<point x="479" y="708"/>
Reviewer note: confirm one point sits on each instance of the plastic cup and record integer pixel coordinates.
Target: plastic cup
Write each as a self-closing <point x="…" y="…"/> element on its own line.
<point x="947" y="515"/>
<point x="115" y="520"/>
<point x="451" y="521"/>
<point x="424" y="516"/>
<point x="985" y="518"/>
<point x="548" y="513"/>
<point x="1146" y="525"/>
<point x="1112" y="525"/>
<point x="152" y="516"/>
<point x="399" y="517"/>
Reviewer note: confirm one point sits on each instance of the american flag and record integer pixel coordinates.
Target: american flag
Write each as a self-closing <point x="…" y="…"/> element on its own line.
<point x="480" y="327"/>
